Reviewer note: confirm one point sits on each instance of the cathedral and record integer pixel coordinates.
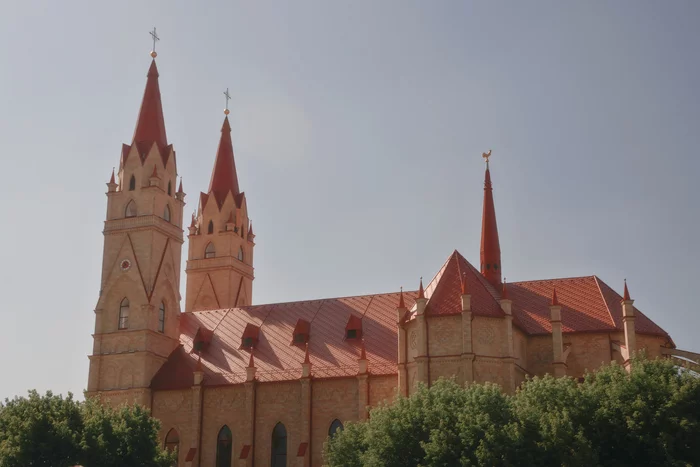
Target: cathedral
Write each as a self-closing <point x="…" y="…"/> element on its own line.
<point x="237" y="383"/>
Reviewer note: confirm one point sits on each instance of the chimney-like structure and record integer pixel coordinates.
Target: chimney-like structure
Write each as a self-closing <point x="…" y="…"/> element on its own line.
<point x="557" y="336"/>
<point x="628" y="322"/>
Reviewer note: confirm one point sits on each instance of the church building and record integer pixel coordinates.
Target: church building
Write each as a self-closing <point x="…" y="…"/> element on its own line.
<point x="238" y="383"/>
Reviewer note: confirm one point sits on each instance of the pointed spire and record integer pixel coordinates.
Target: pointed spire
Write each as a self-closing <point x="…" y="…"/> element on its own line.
<point x="250" y="230"/>
<point x="626" y="296"/>
<point x="402" y="304"/>
<point x="111" y="180"/>
<point x="179" y="189"/>
<point x="155" y="172"/>
<point x="555" y="299"/>
<point x="421" y="292"/>
<point x="465" y="287"/>
<point x="251" y="362"/>
<point x="150" y="126"/>
<point x="199" y="363"/>
<point x="224" y="177"/>
<point x="193" y="223"/>
<point x="504" y="293"/>
<point x="363" y="353"/>
<point x="490" y="246"/>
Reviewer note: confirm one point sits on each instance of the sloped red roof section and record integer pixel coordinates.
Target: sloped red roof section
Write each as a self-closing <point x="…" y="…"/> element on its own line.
<point x="445" y="290"/>
<point x="587" y="305"/>
<point x="224" y="178"/>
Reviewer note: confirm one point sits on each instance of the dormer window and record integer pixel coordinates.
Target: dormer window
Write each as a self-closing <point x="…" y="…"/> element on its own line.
<point x="300" y="336"/>
<point x="249" y="339"/>
<point x="201" y="340"/>
<point x="353" y="330"/>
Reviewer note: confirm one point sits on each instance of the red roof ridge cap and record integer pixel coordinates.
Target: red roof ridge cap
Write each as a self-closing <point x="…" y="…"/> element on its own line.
<point x="592" y="276"/>
<point x="602" y="296"/>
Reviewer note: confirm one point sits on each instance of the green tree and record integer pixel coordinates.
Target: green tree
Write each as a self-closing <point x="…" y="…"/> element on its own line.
<point x="124" y="436"/>
<point x="649" y="416"/>
<point x="56" y="432"/>
<point x="40" y="431"/>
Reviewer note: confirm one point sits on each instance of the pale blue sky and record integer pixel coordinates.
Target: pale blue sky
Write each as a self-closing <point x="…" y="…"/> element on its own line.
<point x="358" y="129"/>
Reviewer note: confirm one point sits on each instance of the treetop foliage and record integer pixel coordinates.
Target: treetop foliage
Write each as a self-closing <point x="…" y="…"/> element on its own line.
<point x="54" y="431"/>
<point x="649" y="416"/>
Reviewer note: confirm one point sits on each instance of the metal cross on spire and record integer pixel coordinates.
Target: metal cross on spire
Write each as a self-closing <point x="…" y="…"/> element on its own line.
<point x="155" y="37"/>
<point x="228" y="98"/>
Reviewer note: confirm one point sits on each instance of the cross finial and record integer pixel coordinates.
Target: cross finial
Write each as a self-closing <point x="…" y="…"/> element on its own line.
<point x="155" y="37"/>
<point x="228" y="98"/>
<point x="486" y="156"/>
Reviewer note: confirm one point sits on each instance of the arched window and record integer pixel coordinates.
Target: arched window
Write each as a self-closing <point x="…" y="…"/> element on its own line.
<point x="279" y="446"/>
<point x="336" y="426"/>
<point x="166" y="213"/>
<point x="170" y="188"/>
<point x="130" y="210"/>
<point x="210" y="229"/>
<point x="240" y="254"/>
<point x="161" y="317"/>
<point x="210" y="251"/>
<point x="172" y="443"/>
<point x="124" y="314"/>
<point x="224" y="444"/>
<point x="132" y="183"/>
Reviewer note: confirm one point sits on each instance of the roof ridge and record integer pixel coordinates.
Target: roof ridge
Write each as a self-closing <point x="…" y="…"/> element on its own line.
<point x="555" y="279"/>
<point x="602" y="295"/>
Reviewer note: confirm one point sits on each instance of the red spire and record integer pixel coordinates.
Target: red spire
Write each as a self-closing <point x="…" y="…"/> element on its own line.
<point x="504" y="294"/>
<point x="179" y="189"/>
<point x="224" y="177"/>
<point x="155" y="172"/>
<point x="626" y="296"/>
<point x="250" y="230"/>
<point x="306" y="355"/>
<point x="402" y="304"/>
<point x="150" y="126"/>
<point x="465" y="288"/>
<point x="421" y="292"/>
<point x="111" y="180"/>
<point x="251" y="363"/>
<point x="363" y="354"/>
<point x="555" y="299"/>
<point x="490" y="246"/>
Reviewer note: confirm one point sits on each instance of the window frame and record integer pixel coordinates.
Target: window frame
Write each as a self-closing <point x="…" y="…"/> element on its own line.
<point x="161" y="317"/>
<point x="210" y="253"/>
<point x="278" y="450"/>
<point x="123" y="322"/>
<point x="337" y="424"/>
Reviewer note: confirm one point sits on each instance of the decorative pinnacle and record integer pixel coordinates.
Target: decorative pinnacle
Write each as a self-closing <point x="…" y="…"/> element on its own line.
<point x="421" y="292"/>
<point x="228" y="98"/>
<point x="626" y="295"/>
<point x="155" y="39"/>
<point x="402" y="304"/>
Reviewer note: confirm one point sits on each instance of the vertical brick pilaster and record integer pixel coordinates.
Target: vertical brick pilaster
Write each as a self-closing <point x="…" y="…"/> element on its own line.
<point x="363" y="395"/>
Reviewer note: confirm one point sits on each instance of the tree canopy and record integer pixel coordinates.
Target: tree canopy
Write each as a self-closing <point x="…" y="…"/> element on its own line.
<point x="648" y="416"/>
<point x="54" y="431"/>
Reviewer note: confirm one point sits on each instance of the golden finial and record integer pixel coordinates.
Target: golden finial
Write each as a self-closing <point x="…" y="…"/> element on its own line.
<point x="228" y="97"/>
<point x="155" y="38"/>
<point x="486" y="156"/>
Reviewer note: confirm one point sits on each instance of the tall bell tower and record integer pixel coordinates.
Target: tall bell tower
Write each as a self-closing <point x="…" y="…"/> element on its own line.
<point x="137" y="313"/>
<point x="221" y="240"/>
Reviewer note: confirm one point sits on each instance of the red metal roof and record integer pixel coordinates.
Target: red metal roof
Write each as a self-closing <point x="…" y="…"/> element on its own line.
<point x="150" y="126"/>
<point x="224" y="178"/>
<point x="588" y="304"/>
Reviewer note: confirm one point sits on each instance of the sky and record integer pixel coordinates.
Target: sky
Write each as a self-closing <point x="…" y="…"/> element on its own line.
<point x="358" y="129"/>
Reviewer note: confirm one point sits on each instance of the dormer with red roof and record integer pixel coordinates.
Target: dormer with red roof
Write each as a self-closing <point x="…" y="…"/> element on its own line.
<point x="353" y="329"/>
<point x="220" y="259"/>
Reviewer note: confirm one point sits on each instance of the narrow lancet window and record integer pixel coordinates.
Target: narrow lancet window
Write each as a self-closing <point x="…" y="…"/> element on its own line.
<point x="336" y="426"/>
<point x="224" y="446"/>
<point x="172" y="443"/>
<point x="279" y="446"/>
<point x="210" y="229"/>
<point x="210" y="251"/>
<point x="161" y="317"/>
<point x="124" y="314"/>
<point x="132" y="183"/>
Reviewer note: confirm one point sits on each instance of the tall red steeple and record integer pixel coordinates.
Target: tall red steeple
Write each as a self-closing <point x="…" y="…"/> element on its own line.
<point x="224" y="177"/>
<point x="490" y="246"/>
<point x="150" y="126"/>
